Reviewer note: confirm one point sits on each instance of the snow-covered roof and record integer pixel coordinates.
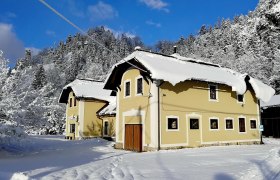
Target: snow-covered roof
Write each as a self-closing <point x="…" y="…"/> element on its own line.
<point x="274" y="101"/>
<point x="87" y="89"/>
<point x="109" y="110"/>
<point x="176" y="68"/>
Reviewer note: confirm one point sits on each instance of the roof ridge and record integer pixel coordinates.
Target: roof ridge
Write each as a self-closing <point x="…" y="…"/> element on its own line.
<point x="188" y="59"/>
<point x="89" y="79"/>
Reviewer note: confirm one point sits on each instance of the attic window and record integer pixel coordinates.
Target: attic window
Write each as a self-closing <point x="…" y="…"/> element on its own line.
<point x="240" y="98"/>
<point x="213" y="92"/>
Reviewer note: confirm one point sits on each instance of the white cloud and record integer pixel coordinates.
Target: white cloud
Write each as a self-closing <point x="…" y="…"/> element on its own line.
<point x="101" y="11"/>
<point x="34" y="51"/>
<point x="11" y="15"/>
<point x="75" y="7"/>
<point x="156" y="4"/>
<point x="12" y="47"/>
<point x="151" y="23"/>
<point x="50" y="33"/>
<point x="118" y="33"/>
<point x="7" y="16"/>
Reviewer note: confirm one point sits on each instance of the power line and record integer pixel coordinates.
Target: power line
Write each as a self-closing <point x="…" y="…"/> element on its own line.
<point x="85" y="33"/>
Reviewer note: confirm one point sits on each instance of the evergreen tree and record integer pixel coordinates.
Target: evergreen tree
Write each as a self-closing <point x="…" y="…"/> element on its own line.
<point x="39" y="79"/>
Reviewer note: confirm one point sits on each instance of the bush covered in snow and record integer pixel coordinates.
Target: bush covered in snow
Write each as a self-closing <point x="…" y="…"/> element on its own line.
<point x="10" y="134"/>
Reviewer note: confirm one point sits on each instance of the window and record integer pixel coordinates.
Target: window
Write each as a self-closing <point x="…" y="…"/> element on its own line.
<point x="75" y="101"/>
<point x="70" y="103"/>
<point x="194" y="124"/>
<point x="139" y="89"/>
<point x="214" y="124"/>
<point x="240" y="98"/>
<point x="253" y="124"/>
<point x="229" y="124"/>
<point x="172" y="123"/>
<point x="72" y="128"/>
<point x="106" y="128"/>
<point x="242" y="125"/>
<point x="213" y="92"/>
<point x="127" y="88"/>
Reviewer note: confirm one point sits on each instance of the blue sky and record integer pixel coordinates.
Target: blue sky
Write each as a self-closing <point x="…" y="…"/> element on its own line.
<point x="29" y="24"/>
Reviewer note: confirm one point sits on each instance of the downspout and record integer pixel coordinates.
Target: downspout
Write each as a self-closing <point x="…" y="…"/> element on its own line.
<point x="158" y="83"/>
<point x="261" y="123"/>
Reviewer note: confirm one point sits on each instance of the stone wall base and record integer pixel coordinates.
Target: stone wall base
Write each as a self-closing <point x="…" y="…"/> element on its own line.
<point x="146" y="148"/>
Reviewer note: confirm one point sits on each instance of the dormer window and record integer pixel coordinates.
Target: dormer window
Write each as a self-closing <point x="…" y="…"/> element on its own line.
<point x="213" y="96"/>
<point x="139" y="87"/>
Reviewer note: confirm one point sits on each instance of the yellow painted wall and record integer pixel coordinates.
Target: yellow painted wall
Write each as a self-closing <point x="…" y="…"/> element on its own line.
<point x="92" y="123"/>
<point x="191" y="98"/>
<point x="88" y="119"/>
<point x="187" y="100"/>
<point x="70" y="113"/>
<point x="135" y="104"/>
<point x="112" y="124"/>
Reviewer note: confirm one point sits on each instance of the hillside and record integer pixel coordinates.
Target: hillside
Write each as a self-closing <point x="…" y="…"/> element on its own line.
<point x="248" y="43"/>
<point x="29" y="93"/>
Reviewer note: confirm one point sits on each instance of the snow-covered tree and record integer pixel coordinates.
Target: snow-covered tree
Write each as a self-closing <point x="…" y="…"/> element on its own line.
<point x="39" y="79"/>
<point x="4" y="69"/>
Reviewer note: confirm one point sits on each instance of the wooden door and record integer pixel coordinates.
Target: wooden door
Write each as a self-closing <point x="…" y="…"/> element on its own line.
<point x="133" y="137"/>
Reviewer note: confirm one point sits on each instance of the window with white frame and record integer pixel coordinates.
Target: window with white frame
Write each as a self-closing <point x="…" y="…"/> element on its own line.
<point x="172" y="123"/>
<point x="213" y="95"/>
<point x="127" y="88"/>
<point x="139" y="87"/>
<point x="253" y="124"/>
<point x="229" y="123"/>
<point x="214" y="124"/>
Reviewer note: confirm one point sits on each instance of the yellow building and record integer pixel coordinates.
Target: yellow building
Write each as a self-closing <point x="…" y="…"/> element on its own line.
<point x="84" y="98"/>
<point x="171" y="101"/>
<point x="108" y="116"/>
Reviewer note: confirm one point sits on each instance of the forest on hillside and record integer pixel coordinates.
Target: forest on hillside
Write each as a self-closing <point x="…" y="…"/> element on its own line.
<point x="29" y="92"/>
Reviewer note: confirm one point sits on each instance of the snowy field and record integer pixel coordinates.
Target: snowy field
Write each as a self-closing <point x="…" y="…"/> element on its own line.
<point x="52" y="157"/>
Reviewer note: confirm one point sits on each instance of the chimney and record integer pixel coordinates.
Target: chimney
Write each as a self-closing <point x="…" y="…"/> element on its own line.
<point x="174" y="49"/>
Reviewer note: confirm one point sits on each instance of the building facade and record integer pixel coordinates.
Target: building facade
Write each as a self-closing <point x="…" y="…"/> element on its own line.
<point x="153" y="112"/>
<point x="84" y="99"/>
<point x="270" y="116"/>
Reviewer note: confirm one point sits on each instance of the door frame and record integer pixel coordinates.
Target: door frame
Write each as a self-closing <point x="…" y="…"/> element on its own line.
<point x="134" y="112"/>
<point x="193" y="116"/>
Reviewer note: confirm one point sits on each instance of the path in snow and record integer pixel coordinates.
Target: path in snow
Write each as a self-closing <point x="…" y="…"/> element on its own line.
<point x="52" y="157"/>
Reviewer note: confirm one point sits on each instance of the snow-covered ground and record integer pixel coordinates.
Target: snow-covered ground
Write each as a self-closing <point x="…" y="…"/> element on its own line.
<point x="52" y="157"/>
